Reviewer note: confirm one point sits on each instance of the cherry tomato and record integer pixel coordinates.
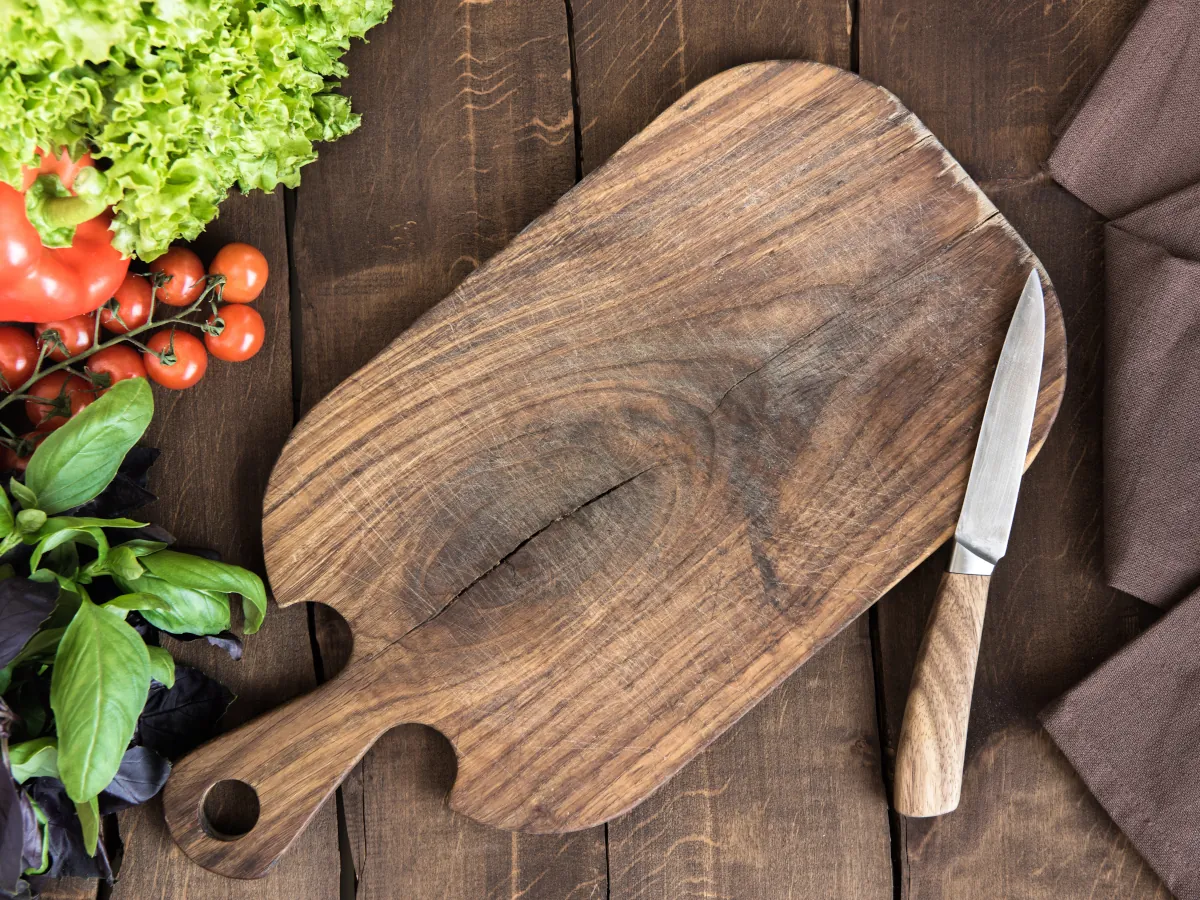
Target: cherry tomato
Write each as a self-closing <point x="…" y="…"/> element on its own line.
<point x="117" y="362"/>
<point x="18" y="356"/>
<point x="187" y="276"/>
<point x="12" y="461"/>
<point x="189" y="363"/>
<point x="245" y="271"/>
<point x="242" y="336"/>
<point x="133" y="306"/>
<point x="75" y="333"/>
<point x="77" y="391"/>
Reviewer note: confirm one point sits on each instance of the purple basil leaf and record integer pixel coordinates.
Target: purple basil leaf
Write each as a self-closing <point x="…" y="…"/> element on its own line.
<point x="148" y="632"/>
<point x="12" y="832"/>
<point x="69" y="858"/>
<point x="6" y="720"/>
<point x="51" y="798"/>
<point x="127" y="491"/>
<point x="67" y="853"/>
<point x="178" y="719"/>
<point x="32" y="853"/>
<point x="23" y="892"/>
<point x="141" y="775"/>
<point x="24" y="605"/>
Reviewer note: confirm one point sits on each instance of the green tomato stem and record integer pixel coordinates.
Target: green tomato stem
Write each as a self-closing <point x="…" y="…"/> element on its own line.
<point x="22" y="393"/>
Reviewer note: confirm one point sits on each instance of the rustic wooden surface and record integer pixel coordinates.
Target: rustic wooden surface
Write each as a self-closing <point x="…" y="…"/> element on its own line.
<point x="790" y="802"/>
<point x="581" y="529"/>
<point x="993" y="82"/>
<point x="217" y="441"/>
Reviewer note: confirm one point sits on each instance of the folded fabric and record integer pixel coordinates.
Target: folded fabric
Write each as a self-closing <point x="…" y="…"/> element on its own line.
<point x="1152" y="399"/>
<point x="1132" y="729"/>
<point x="1137" y="137"/>
<point x="1132" y="152"/>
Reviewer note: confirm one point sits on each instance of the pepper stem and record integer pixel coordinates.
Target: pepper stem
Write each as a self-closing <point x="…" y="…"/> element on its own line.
<point x="55" y="212"/>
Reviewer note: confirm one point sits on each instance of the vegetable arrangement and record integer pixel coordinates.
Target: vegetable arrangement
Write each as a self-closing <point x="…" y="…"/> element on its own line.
<point x="179" y="100"/>
<point x="92" y="706"/>
<point x="126" y="122"/>
<point x="83" y="367"/>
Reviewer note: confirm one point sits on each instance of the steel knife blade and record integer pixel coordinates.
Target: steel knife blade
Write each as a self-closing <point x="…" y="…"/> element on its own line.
<point x="981" y="537"/>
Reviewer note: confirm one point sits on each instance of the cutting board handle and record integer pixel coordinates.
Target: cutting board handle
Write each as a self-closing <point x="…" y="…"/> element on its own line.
<point x="293" y="758"/>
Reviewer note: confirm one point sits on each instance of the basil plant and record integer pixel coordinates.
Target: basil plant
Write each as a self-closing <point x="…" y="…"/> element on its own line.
<point x="90" y="709"/>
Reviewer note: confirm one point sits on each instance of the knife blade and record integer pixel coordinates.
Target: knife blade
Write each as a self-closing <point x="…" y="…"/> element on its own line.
<point x="932" y="746"/>
<point x="981" y="537"/>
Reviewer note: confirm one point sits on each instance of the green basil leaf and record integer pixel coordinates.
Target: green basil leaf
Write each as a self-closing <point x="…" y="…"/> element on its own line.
<point x="30" y="521"/>
<point x="34" y="759"/>
<point x="122" y="561"/>
<point x="92" y="537"/>
<point x="162" y="667"/>
<point x="128" y="602"/>
<point x="77" y="461"/>
<point x="59" y="522"/>
<point x="142" y="547"/>
<point x="201" y="574"/>
<point x="6" y="515"/>
<point x="89" y="821"/>
<point x="98" y="687"/>
<point x="188" y="611"/>
<point x="41" y="828"/>
<point x="27" y="498"/>
<point x="10" y="542"/>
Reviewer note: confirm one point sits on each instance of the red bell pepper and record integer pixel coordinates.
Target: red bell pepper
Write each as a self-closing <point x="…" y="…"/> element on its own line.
<point x="76" y="268"/>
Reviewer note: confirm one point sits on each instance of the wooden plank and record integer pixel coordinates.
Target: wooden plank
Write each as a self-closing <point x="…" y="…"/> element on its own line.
<point x="992" y="86"/>
<point x="468" y="135"/>
<point x="633" y="60"/>
<point x="218" y="442"/>
<point x="768" y="811"/>
<point x="70" y="889"/>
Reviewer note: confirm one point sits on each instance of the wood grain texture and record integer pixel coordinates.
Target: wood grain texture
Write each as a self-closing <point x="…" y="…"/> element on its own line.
<point x="933" y="735"/>
<point x="771" y="810"/>
<point x="70" y="889"/>
<point x="634" y="58"/>
<point x="738" y="820"/>
<point x="581" y="527"/>
<point x="468" y="135"/>
<point x="994" y="82"/>
<point x="218" y="441"/>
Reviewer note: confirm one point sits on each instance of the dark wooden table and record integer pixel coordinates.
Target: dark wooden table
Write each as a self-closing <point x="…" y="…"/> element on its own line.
<point x="477" y="116"/>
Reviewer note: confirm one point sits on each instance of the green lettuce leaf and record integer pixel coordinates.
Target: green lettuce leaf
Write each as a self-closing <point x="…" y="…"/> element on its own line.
<point x="185" y="99"/>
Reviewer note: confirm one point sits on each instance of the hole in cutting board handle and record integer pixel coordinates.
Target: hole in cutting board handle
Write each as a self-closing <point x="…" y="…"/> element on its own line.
<point x="229" y="810"/>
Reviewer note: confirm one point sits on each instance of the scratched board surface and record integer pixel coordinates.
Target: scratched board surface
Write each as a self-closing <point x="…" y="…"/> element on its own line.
<point x="641" y="465"/>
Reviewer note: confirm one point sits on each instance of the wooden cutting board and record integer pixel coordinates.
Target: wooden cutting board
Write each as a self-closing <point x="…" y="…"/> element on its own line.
<point x="641" y="465"/>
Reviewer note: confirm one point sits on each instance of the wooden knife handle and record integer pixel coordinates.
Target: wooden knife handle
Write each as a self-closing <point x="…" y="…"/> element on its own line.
<point x="293" y="758"/>
<point x="933" y="738"/>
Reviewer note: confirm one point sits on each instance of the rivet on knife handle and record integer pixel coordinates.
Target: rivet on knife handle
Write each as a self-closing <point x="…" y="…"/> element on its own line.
<point x="933" y="738"/>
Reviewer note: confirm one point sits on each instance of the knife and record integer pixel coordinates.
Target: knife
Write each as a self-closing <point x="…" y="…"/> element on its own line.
<point x="933" y="737"/>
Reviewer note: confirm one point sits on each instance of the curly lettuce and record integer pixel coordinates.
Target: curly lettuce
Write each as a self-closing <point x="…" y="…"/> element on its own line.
<point x="183" y="99"/>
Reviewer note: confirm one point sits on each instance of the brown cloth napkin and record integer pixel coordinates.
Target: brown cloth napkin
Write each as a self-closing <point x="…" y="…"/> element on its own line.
<point x="1132" y="151"/>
